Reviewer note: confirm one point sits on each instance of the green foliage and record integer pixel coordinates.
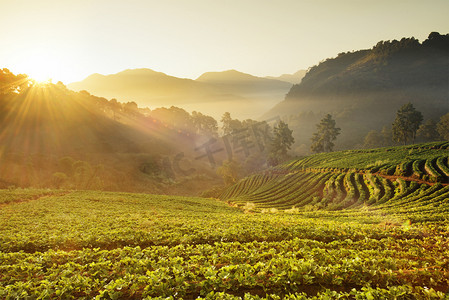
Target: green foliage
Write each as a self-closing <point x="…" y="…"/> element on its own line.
<point x="120" y="246"/>
<point x="322" y="140"/>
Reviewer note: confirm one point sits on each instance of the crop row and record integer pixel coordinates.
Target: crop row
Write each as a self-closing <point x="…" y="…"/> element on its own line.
<point x="89" y="244"/>
<point x="426" y="161"/>
<point x="194" y="270"/>
<point x="294" y="189"/>
<point x="334" y="191"/>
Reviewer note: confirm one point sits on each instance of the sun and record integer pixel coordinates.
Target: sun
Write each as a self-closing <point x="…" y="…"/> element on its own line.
<point x="41" y="79"/>
<point x="42" y="66"/>
<point x="39" y="74"/>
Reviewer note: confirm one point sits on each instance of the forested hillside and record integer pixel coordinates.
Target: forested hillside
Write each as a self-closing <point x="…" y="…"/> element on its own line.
<point x="363" y="89"/>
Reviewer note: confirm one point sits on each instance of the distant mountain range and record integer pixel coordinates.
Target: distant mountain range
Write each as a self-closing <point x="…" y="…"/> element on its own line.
<point x="213" y="93"/>
<point x="294" y="78"/>
<point x="364" y="89"/>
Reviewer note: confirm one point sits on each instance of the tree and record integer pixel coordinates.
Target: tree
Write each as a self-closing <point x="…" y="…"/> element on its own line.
<point x="406" y="123"/>
<point x="282" y="141"/>
<point x="230" y="125"/>
<point x="10" y="83"/>
<point x="204" y="124"/>
<point x="131" y="108"/>
<point x="115" y="106"/>
<point x="428" y="131"/>
<point x="327" y="132"/>
<point x="443" y="127"/>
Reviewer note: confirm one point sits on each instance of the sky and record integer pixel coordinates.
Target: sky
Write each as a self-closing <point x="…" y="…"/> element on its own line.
<point x="67" y="40"/>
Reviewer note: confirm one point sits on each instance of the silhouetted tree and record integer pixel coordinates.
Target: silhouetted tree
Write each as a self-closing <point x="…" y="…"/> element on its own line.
<point x="10" y="83"/>
<point x="327" y="132"/>
<point x="443" y="127"/>
<point x="406" y="123"/>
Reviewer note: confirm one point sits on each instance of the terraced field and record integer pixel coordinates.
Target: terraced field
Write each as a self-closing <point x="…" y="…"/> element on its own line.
<point x="414" y="178"/>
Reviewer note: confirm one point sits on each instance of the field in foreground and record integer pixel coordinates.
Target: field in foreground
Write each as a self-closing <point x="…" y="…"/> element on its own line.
<point x="86" y="244"/>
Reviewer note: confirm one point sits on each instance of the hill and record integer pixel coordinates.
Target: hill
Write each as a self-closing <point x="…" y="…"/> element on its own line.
<point x="294" y="78"/>
<point x="244" y="95"/>
<point x="396" y="179"/>
<point x="242" y="83"/>
<point x="157" y="88"/>
<point x="364" y="89"/>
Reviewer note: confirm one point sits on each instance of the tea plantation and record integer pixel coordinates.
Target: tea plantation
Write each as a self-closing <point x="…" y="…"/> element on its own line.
<point x="367" y="224"/>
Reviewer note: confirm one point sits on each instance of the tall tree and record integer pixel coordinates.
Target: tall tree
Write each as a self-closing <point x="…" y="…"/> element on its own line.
<point x="406" y="123"/>
<point x="322" y="140"/>
<point x="443" y="127"/>
<point x="282" y="141"/>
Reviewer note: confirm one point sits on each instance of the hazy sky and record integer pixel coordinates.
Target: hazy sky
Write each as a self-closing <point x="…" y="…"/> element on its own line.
<point x="70" y="39"/>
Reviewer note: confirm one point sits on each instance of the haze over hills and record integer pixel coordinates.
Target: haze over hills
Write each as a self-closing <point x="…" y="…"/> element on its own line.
<point x="213" y="93"/>
<point x="51" y="136"/>
<point x="294" y="78"/>
<point x="364" y="89"/>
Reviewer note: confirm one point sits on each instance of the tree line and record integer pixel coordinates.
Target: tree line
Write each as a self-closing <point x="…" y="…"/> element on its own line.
<point x="408" y="126"/>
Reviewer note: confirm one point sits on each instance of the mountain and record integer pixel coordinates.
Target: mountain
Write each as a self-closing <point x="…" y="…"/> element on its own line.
<point x="213" y="93"/>
<point x="294" y="78"/>
<point x="155" y="88"/>
<point x="364" y="89"/>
